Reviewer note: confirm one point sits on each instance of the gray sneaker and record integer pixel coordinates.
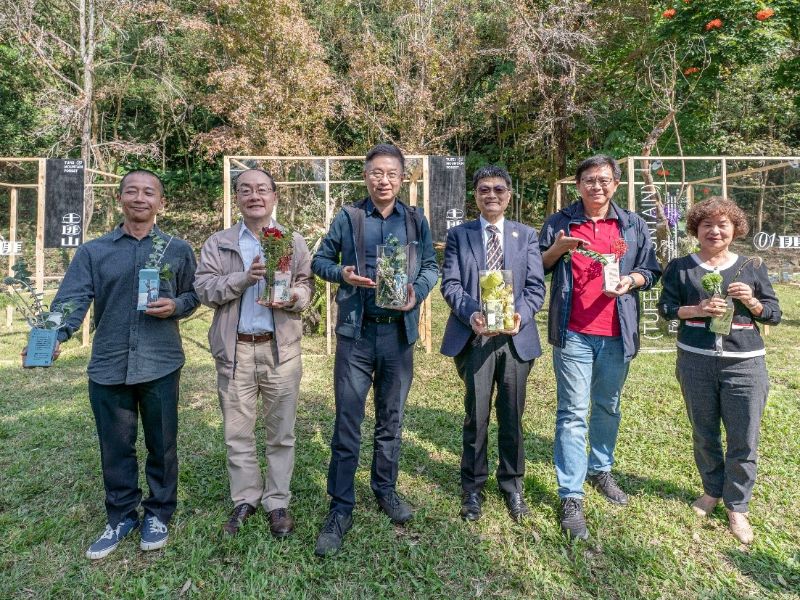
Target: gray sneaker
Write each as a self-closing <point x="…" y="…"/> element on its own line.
<point x="333" y="529"/>
<point x="604" y="483"/>
<point x="573" y="521"/>
<point x="397" y="509"/>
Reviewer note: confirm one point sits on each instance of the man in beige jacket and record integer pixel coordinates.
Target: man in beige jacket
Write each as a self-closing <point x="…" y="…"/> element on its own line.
<point x="257" y="350"/>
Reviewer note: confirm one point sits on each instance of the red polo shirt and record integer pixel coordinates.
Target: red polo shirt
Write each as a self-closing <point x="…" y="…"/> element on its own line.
<point x="593" y="312"/>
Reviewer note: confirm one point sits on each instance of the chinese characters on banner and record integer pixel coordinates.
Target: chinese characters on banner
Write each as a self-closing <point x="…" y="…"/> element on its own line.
<point x="64" y="187"/>
<point x="9" y="248"/>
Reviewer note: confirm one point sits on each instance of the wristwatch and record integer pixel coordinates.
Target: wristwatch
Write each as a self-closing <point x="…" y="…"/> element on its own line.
<point x="633" y="285"/>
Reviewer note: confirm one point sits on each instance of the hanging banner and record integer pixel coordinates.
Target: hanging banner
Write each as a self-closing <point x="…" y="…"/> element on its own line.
<point x="448" y="188"/>
<point x="63" y="223"/>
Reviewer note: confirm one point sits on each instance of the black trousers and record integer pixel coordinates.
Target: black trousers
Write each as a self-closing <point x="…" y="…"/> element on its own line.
<point x="383" y="359"/>
<point x="486" y="364"/>
<point x="116" y="413"/>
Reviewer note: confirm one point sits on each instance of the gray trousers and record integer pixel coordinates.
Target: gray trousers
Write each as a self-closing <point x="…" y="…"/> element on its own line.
<point x="731" y="391"/>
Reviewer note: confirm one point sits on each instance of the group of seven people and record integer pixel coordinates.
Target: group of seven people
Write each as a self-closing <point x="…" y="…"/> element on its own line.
<point x="137" y="355"/>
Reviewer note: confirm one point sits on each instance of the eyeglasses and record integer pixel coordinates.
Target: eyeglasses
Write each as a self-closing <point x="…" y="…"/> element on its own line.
<point x="603" y="182"/>
<point x="392" y="176"/>
<point x="245" y="191"/>
<point x="485" y="190"/>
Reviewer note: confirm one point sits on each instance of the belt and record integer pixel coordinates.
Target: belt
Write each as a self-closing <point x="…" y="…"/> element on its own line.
<point x="255" y="338"/>
<point x="383" y="319"/>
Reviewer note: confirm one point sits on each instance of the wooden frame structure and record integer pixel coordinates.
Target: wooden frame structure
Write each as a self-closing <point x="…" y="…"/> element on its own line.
<point x="631" y="183"/>
<point x="419" y="174"/>
<point x="40" y="187"/>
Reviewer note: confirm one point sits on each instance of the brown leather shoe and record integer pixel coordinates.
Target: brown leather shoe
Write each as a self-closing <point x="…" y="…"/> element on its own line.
<point x="239" y="515"/>
<point x="281" y="523"/>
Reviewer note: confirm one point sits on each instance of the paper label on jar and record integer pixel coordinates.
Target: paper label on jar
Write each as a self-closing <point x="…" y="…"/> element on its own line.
<point x="610" y="273"/>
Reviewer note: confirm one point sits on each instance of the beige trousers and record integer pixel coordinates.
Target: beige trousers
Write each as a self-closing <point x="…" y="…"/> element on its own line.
<point x="257" y="370"/>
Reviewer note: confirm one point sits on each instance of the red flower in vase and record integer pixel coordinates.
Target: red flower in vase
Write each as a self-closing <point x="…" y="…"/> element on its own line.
<point x="619" y="247"/>
<point x="272" y="232"/>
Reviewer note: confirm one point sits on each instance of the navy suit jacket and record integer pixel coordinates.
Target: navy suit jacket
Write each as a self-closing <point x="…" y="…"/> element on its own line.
<point x="464" y="256"/>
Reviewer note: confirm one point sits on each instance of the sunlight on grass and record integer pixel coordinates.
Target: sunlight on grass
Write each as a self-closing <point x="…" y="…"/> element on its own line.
<point x="51" y="500"/>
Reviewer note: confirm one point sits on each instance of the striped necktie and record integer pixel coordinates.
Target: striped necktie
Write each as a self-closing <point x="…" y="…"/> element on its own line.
<point x="494" y="253"/>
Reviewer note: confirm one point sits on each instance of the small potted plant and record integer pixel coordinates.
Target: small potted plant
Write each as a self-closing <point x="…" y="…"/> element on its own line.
<point x="44" y="323"/>
<point x="276" y="243"/>
<point x="497" y="299"/>
<point x="712" y="284"/>
<point x="391" y="274"/>
<point x="154" y="272"/>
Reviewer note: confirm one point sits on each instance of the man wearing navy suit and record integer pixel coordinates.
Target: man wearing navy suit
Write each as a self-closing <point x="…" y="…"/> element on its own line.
<point x="484" y="359"/>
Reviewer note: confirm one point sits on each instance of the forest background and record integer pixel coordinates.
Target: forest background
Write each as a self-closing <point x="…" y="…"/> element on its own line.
<point x="532" y="85"/>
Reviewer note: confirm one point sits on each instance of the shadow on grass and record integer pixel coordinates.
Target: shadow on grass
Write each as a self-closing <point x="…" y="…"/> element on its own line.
<point x="769" y="572"/>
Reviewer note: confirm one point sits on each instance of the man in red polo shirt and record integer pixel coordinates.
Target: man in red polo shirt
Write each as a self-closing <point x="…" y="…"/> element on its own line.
<point x="594" y="330"/>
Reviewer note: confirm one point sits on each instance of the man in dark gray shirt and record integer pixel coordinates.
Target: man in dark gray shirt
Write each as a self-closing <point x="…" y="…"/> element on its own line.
<point x="136" y="358"/>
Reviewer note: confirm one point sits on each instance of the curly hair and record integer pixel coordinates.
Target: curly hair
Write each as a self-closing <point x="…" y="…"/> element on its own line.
<point x="717" y="206"/>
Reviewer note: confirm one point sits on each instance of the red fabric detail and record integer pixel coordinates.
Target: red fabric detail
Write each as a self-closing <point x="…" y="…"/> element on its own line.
<point x="593" y="313"/>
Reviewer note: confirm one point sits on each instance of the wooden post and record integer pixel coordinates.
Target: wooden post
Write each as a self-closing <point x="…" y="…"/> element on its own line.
<point x="40" y="225"/>
<point x="689" y="197"/>
<point x="328" y="217"/>
<point x="558" y="196"/>
<point x="631" y="184"/>
<point x="226" y="192"/>
<point x="426" y="205"/>
<point x="725" y="178"/>
<point x="12" y="239"/>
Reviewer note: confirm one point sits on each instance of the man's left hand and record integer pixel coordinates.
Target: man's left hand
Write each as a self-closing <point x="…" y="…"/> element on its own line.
<point x="412" y="300"/>
<point x="626" y="282"/>
<point x="295" y="297"/>
<point x="161" y="308"/>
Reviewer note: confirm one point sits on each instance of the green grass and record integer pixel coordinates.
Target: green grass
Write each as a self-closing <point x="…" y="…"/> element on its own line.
<point x="51" y="499"/>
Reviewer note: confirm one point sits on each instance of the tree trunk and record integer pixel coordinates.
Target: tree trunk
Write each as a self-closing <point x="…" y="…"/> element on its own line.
<point x="86" y="15"/>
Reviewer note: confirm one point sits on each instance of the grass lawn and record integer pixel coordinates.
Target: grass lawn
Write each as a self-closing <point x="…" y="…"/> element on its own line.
<point x="51" y="496"/>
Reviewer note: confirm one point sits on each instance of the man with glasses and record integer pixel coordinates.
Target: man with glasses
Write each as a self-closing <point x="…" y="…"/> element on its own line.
<point x="257" y="351"/>
<point x="374" y="345"/>
<point x="594" y="330"/>
<point x="486" y="360"/>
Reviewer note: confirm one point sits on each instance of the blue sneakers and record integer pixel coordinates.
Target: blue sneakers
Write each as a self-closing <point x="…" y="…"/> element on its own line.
<point x="154" y="533"/>
<point x="110" y="539"/>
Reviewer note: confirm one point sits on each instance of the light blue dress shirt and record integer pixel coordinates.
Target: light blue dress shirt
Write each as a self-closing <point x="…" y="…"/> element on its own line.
<point x="253" y="318"/>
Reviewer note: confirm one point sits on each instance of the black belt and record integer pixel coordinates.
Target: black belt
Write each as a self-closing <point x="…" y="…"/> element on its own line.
<point x="383" y="319"/>
<point x="255" y="338"/>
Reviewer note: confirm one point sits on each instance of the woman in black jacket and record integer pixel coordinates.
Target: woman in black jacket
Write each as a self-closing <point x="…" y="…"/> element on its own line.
<point x="723" y="377"/>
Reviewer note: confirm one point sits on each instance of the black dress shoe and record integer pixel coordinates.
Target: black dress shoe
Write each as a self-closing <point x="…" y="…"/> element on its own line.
<point x="471" y="505"/>
<point x="516" y="505"/>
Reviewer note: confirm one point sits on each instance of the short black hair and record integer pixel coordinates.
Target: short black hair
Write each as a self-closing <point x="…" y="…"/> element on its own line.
<point x="598" y="160"/>
<point x="146" y="172"/>
<point x="265" y="172"/>
<point x="386" y="150"/>
<point x="487" y="171"/>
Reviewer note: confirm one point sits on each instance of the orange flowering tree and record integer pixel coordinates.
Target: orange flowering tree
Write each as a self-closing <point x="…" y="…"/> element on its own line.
<point x="730" y="32"/>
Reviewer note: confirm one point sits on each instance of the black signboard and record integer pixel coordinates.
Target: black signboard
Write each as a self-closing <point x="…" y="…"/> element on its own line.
<point x="63" y="220"/>
<point x="448" y="188"/>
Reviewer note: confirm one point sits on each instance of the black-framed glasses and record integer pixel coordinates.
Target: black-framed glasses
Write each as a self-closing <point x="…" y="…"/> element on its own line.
<point x="485" y="190"/>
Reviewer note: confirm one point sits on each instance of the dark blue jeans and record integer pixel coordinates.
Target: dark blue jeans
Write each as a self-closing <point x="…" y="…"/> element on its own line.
<point x="383" y="359"/>
<point x="116" y="413"/>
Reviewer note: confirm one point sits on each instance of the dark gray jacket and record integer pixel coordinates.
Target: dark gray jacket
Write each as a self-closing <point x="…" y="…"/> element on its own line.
<point x="344" y="245"/>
